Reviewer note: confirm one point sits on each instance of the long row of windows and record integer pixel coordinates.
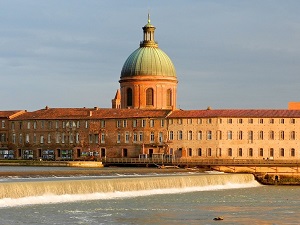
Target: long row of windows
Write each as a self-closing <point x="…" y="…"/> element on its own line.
<point x="250" y="152"/>
<point x="229" y="135"/>
<point x="139" y="123"/>
<point x="42" y="124"/>
<point x="232" y="121"/>
<point x="66" y="138"/>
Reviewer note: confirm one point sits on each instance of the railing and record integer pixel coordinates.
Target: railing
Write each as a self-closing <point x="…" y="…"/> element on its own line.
<point x="201" y="162"/>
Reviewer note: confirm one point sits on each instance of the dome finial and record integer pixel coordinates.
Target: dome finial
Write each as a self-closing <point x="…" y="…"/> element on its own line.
<point x="148" y="16"/>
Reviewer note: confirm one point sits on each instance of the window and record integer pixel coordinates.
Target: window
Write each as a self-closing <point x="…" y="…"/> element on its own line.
<point x="240" y="152"/>
<point x="63" y="138"/>
<point x="13" y="138"/>
<point x="86" y="124"/>
<point x="281" y="121"/>
<point x="27" y="138"/>
<point x="169" y="97"/>
<point x="189" y="121"/>
<point x="124" y="123"/>
<point x="190" y="152"/>
<point x="3" y="124"/>
<point x="49" y="138"/>
<point x="261" y="152"/>
<point x="250" y="121"/>
<point x="50" y="124"/>
<point x="261" y="135"/>
<point x="102" y="123"/>
<point x="179" y="121"/>
<point x="190" y="135"/>
<point x="151" y="123"/>
<point x="229" y="135"/>
<point x="96" y="137"/>
<point x="281" y="135"/>
<point x="42" y="124"/>
<point x="293" y="121"/>
<point x="57" y="138"/>
<point x="160" y="137"/>
<point x="129" y="96"/>
<point x="282" y="152"/>
<point x="162" y="123"/>
<point x="149" y="97"/>
<point x="229" y="152"/>
<point x="199" y="121"/>
<point x="71" y="138"/>
<point x="91" y="138"/>
<point x="143" y="123"/>
<point x="180" y="135"/>
<point x="141" y="136"/>
<point x="102" y="137"/>
<point x="293" y="152"/>
<point x="126" y="137"/>
<point x="209" y="135"/>
<point x="208" y="121"/>
<point x="28" y="125"/>
<point x="240" y="135"/>
<point x="261" y="121"/>
<point x="250" y="152"/>
<point x="170" y="121"/>
<point x="118" y="138"/>
<point x="56" y="124"/>
<point x="12" y="125"/>
<point x="42" y="139"/>
<point x="20" y="138"/>
<point x="271" y="121"/>
<point x="34" y="138"/>
<point x="293" y="135"/>
<point x="271" y="135"/>
<point x="271" y="152"/>
<point x="34" y="125"/>
<point x="229" y="121"/>
<point x="199" y="152"/>
<point x="152" y="137"/>
<point x="250" y="135"/>
<point x="135" y="137"/>
<point x="200" y="135"/>
<point x="240" y="121"/>
<point x="209" y="153"/>
<point x="134" y="123"/>
<point x="171" y="135"/>
<point x="118" y="123"/>
<point x="220" y="121"/>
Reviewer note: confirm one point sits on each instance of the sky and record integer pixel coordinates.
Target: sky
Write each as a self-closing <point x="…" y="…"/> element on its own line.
<point x="233" y="54"/>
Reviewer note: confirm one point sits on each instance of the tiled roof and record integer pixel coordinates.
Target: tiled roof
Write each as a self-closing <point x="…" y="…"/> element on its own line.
<point x="129" y="113"/>
<point x="240" y="113"/>
<point x="7" y="114"/>
<point x="91" y="113"/>
<point x="100" y="113"/>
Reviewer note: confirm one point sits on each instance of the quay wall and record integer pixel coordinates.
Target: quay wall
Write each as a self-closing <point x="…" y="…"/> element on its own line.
<point x="84" y="164"/>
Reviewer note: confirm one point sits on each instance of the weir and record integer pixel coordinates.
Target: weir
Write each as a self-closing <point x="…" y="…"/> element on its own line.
<point x="16" y="190"/>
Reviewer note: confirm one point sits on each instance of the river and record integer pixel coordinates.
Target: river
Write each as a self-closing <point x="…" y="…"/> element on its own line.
<point x="147" y="199"/>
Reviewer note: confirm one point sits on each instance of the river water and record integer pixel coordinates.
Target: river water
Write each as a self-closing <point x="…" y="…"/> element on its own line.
<point x="237" y="199"/>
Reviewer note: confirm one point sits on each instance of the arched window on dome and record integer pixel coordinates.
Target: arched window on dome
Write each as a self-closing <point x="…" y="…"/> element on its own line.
<point x="149" y="96"/>
<point x="129" y="96"/>
<point x="169" y="97"/>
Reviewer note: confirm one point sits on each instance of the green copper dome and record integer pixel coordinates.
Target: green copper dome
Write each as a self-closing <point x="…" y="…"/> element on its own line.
<point x="150" y="61"/>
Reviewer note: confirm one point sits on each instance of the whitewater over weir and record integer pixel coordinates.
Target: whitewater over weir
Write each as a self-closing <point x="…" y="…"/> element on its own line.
<point x="61" y="191"/>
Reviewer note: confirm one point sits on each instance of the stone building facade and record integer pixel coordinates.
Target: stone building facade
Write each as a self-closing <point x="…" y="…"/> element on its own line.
<point x="145" y="122"/>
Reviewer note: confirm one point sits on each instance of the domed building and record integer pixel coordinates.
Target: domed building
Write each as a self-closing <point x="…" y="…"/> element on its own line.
<point x="148" y="77"/>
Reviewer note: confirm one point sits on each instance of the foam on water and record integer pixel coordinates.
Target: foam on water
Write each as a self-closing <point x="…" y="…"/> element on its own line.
<point x="122" y="188"/>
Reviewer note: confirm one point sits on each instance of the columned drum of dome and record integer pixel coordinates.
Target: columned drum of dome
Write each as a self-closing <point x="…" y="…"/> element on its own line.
<point x="148" y="68"/>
